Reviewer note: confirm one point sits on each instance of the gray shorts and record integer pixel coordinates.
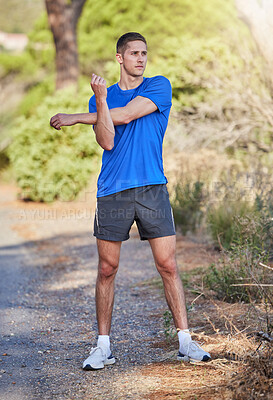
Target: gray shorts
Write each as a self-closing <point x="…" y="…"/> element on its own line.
<point x="149" y="206"/>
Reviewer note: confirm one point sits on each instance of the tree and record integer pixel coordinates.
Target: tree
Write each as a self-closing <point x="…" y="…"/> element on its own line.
<point x="63" y="16"/>
<point x="258" y="16"/>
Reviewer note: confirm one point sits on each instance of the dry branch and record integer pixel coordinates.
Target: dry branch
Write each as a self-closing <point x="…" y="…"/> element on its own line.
<point x="266" y="266"/>
<point x="252" y="284"/>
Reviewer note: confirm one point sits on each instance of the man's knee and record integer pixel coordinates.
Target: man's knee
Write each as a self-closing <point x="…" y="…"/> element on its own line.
<point x="107" y="269"/>
<point x="167" y="267"/>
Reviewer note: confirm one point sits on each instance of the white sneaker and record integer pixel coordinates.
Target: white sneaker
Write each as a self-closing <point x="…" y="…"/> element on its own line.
<point x="97" y="359"/>
<point x="193" y="352"/>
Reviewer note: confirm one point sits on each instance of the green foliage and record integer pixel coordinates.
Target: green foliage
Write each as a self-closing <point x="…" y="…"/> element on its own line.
<point x="156" y="19"/>
<point x="187" y="205"/>
<point x="195" y="67"/>
<point x="41" y="45"/>
<point x="221" y="219"/>
<point x="221" y="280"/>
<point x="38" y="54"/>
<point x="241" y="264"/>
<point x="35" y="96"/>
<point x="16" y="63"/>
<point x="52" y="164"/>
<point x="169" y="330"/>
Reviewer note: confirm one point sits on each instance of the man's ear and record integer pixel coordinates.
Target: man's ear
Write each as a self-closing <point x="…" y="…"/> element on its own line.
<point x="119" y="58"/>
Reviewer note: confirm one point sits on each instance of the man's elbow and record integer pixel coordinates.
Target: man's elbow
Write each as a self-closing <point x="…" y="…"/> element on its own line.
<point x="106" y="145"/>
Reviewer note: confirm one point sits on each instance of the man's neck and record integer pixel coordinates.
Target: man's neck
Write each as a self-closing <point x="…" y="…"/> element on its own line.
<point x="128" y="82"/>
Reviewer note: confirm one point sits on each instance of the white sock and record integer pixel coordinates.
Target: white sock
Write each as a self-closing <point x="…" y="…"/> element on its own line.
<point x="184" y="338"/>
<point x="104" y="342"/>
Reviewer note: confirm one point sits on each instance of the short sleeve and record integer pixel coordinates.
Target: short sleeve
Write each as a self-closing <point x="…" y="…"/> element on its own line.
<point x="92" y="104"/>
<point x="158" y="90"/>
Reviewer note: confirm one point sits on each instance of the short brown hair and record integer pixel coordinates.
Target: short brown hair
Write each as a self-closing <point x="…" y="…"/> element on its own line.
<point x="126" y="38"/>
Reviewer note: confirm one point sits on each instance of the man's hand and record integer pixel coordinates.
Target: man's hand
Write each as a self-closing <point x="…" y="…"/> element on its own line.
<point x="59" y="120"/>
<point x="98" y="85"/>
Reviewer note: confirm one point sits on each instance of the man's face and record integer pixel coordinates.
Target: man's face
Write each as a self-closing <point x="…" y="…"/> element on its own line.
<point x="134" y="59"/>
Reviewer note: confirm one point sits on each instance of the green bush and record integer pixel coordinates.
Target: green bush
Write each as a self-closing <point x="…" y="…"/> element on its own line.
<point x="240" y="264"/>
<point x="196" y="72"/>
<point x="21" y="64"/>
<point x="187" y="205"/>
<point x="221" y="279"/>
<point x="152" y="19"/>
<point x="52" y="164"/>
<point x="221" y="220"/>
<point x="35" y="96"/>
<point x="169" y="330"/>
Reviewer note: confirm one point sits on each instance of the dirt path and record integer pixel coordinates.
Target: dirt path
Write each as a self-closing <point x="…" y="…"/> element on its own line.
<point x="48" y="272"/>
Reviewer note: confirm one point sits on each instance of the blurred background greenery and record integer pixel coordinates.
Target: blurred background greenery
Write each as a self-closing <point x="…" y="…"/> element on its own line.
<point x="218" y="150"/>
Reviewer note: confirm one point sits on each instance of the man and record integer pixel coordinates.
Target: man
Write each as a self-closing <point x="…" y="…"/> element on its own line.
<point x="130" y="119"/>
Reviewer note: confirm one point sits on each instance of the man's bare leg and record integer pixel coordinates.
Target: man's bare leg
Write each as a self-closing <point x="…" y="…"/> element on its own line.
<point x="109" y="252"/>
<point x="163" y="249"/>
<point x="164" y="254"/>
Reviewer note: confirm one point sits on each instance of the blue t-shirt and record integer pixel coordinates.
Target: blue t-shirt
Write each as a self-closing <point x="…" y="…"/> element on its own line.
<point x="136" y="158"/>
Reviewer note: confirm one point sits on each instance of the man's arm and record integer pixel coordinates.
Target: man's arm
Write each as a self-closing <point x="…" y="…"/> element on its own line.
<point x="136" y="108"/>
<point x="60" y="119"/>
<point x="105" y="130"/>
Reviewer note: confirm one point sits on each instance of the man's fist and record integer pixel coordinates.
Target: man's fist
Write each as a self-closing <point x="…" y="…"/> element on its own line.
<point x="59" y="120"/>
<point x="98" y="85"/>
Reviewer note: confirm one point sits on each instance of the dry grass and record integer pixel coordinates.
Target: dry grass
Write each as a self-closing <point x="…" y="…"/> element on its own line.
<point x="241" y="366"/>
<point x="238" y="371"/>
